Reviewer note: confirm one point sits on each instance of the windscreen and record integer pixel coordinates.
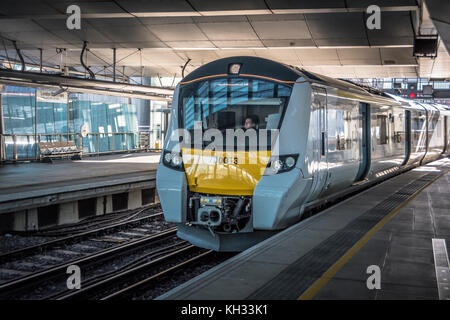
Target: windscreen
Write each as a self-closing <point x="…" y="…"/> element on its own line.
<point x="233" y="103"/>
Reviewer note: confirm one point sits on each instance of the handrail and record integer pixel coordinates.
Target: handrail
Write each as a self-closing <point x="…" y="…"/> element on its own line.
<point x="33" y="140"/>
<point x="64" y="134"/>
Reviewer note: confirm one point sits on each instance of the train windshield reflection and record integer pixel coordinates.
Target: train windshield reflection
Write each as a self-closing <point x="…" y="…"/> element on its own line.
<point x="233" y="103"/>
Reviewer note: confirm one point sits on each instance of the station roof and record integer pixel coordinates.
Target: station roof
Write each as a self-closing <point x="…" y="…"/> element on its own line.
<point x="327" y="37"/>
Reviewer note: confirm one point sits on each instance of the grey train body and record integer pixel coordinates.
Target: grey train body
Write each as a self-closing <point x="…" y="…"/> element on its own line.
<point x="344" y="134"/>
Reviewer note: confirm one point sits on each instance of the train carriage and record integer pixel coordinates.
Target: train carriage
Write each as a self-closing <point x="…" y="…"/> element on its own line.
<point x="311" y="137"/>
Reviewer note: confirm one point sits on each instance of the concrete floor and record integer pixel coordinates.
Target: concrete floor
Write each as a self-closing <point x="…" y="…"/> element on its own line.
<point x="402" y="249"/>
<point x="17" y="180"/>
<point x="303" y="258"/>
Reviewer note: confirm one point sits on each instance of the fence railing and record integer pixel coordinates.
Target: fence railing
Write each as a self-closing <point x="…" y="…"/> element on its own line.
<point x="24" y="146"/>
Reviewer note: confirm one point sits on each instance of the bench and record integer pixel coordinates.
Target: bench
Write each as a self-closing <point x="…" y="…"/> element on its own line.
<point x="49" y="150"/>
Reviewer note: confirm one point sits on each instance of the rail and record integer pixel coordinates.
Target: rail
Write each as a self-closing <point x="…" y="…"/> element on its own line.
<point x="42" y="275"/>
<point x="77" y="236"/>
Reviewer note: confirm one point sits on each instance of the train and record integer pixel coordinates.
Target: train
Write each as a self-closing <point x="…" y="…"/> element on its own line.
<point x="322" y="136"/>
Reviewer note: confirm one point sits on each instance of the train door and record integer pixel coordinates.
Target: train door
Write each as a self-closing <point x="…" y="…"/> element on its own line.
<point x="418" y="131"/>
<point x="446" y="137"/>
<point x="321" y="169"/>
<point x="433" y="149"/>
<point x="407" y="136"/>
<point x="365" y="141"/>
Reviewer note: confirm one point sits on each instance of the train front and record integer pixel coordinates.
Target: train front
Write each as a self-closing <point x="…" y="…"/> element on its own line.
<point x="222" y="140"/>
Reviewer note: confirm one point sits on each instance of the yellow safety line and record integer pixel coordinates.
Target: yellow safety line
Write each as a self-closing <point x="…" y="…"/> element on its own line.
<point x="323" y="280"/>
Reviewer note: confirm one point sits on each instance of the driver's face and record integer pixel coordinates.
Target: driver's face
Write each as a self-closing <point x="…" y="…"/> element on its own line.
<point x="249" y="123"/>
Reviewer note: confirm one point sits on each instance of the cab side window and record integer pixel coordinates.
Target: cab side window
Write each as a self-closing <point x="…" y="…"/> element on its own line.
<point x="382" y="129"/>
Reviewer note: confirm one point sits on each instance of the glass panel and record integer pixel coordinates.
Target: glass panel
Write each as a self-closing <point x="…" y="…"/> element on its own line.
<point x="18" y="116"/>
<point x="418" y="131"/>
<point x="51" y="112"/>
<point x="18" y="109"/>
<point x="103" y="116"/>
<point x="381" y="129"/>
<point x="230" y="103"/>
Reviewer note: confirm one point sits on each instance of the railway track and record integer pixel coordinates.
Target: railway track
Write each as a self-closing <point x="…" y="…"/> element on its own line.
<point x="141" y="288"/>
<point x="26" y="262"/>
<point x="119" y="257"/>
<point x="94" y="223"/>
<point x="44" y="283"/>
<point x="135" y="277"/>
<point x="76" y="237"/>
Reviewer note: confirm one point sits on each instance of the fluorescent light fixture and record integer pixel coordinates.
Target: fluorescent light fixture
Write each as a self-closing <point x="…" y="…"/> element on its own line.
<point x="289" y="47"/>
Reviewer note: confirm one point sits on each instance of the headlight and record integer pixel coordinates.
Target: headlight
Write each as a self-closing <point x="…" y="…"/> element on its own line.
<point x="290" y="162"/>
<point x="173" y="160"/>
<point x="277" y="165"/>
<point x="168" y="157"/>
<point x="177" y="159"/>
<point x="281" y="164"/>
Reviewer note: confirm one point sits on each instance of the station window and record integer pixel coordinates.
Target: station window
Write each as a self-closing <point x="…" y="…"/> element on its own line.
<point x="382" y="130"/>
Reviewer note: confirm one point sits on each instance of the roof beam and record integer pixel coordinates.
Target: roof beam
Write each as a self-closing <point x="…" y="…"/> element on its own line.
<point x="212" y="10"/>
<point x="34" y="79"/>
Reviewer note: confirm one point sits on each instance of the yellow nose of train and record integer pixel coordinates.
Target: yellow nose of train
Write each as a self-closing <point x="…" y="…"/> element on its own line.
<point x="224" y="172"/>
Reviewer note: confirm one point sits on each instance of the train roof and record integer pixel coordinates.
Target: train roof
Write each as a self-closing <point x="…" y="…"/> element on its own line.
<point x="274" y="70"/>
<point x="285" y="73"/>
<point x="269" y="69"/>
<point x="249" y="65"/>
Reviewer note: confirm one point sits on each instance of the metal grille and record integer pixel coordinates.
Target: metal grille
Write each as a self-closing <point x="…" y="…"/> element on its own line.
<point x="442" y="268"/>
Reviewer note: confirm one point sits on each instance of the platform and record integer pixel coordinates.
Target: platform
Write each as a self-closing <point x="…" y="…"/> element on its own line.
<point x="390" y="226"/>
<point x="26" y="186"/>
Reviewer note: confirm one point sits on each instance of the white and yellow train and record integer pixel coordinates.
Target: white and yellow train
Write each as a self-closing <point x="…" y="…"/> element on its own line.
<point x="324" y="136"/>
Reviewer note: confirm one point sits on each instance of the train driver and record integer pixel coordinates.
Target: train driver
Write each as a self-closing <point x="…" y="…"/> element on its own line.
<point x="251" y="122"/>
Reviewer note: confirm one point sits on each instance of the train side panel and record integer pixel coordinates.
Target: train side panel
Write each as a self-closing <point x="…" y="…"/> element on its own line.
<point x="171" y="184"/>
<point x="432" y="139"/>
<point x="447" y="131"/>
<point x="277" y="198"/>
<point x="418" y="135"/>
<point x="387" y="127"/>
<point x="436" y="133"/>
<point x="344" y="145"/>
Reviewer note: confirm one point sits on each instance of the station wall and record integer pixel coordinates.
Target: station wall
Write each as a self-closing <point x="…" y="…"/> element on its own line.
<point x="31" y="115"/>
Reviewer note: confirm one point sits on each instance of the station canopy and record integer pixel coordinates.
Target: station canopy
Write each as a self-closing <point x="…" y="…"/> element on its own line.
<point x="156" y="38"/>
